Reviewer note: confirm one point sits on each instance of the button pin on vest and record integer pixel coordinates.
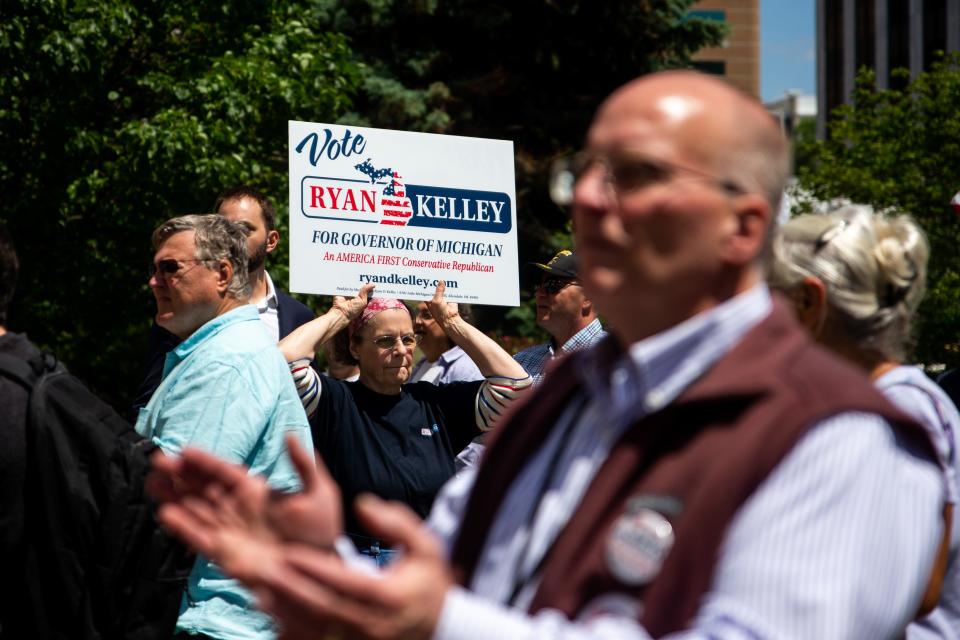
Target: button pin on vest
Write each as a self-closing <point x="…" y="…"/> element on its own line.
<point x="638" y="543"/>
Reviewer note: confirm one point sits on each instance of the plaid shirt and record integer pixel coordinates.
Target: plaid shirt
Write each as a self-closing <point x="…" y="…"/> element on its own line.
<point x="535" y="359"/>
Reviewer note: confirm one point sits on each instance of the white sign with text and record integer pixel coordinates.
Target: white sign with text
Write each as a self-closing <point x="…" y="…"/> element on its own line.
<point x="402" y="210"/>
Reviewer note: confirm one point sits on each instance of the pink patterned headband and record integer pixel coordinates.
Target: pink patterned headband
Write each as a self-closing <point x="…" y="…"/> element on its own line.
<point x="374" y="306"/>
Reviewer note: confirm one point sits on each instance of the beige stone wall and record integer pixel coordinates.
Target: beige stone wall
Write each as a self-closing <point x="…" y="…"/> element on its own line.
<point x="742" y="51"/>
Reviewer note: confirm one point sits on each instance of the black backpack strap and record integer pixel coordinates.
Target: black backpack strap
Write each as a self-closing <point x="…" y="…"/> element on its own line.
<point x="18" y="370"/>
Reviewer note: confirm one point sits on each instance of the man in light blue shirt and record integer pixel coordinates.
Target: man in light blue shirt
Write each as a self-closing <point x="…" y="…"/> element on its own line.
<point x="225" y="389"/>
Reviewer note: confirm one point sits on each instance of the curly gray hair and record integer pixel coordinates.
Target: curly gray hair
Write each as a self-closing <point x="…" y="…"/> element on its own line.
<point x="873" y="266"/>
<point x="216" y="239"/>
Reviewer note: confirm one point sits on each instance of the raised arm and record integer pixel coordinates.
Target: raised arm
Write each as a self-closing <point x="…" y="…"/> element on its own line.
<point x="307" y="339"/>
<point x="489" y="356"/>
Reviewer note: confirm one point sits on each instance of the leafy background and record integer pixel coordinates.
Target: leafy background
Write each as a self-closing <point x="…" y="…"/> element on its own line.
<point x="899" y="149"/>
<point x="115" y="115"/>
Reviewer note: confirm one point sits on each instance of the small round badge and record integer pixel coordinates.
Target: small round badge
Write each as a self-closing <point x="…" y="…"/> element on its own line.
<point x="637" y="546"/>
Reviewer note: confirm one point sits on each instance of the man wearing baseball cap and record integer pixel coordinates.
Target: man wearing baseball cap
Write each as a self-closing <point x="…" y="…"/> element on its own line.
<point x="563" y="310"/>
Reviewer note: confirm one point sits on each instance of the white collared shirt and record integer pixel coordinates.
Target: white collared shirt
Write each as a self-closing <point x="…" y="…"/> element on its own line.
<point x="453" y="365"/>
<point x="267" y="307"/>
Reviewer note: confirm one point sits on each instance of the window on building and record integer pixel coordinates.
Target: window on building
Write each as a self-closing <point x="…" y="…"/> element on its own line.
<point x="709" y="14"/>
<point x="898" y="40"/>
<point x="934" y="30"/>
<point x="866" y="28"/>
<point x="833" y="12"/>
<point x="713" y="67"/>
<point x="716" y="15"/>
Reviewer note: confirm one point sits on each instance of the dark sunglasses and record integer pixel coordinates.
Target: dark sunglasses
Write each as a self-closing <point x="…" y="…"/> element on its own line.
<point x="551" y="286"/>
<point x="165" y="268"/>
<point x="409" y="340"/>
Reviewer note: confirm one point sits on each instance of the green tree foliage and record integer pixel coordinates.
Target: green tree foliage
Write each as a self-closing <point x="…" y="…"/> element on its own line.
<point x="532" y="72"/>
<point x="901" y="149"/>
<point x="116" y="115"/>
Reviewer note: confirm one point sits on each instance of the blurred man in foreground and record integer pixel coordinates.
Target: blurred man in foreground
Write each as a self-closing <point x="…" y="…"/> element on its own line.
<point x="706" y="470"/>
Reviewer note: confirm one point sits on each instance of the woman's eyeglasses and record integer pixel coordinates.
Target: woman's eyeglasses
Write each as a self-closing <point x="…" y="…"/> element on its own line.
<point x="409" y="340"/>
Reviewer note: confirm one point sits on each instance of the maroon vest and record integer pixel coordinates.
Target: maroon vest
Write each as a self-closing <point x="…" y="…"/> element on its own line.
<point x="706" y="453"/>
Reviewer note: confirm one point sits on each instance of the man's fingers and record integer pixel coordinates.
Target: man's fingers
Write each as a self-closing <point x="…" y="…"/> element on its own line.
<point x="303" y="607"/>
<point x="163" y="479"/>
<point x="161" y="487"/>
<point x="324" y="478"/>
<point x="341" y="582"/>
<point x="313" y="472"/>
<point x="302" y="461"/>
<point x="293" y="594"/>
<point x="201" y="510"/>
<point x="163" y="463"/>
<point x="295" y="624"/>
<point x="199" y="468"/>
<point x="396" y="523"/>
<point x="184" y="525"/>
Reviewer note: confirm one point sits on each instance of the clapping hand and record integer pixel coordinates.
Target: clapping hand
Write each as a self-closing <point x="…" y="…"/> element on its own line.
<point x="316" y="591"/>
<point x="235" y="519"/>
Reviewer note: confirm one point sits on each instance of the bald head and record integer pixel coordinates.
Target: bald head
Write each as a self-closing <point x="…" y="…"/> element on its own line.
<point x="713" y="123"/>
<point x="675" y="214"/>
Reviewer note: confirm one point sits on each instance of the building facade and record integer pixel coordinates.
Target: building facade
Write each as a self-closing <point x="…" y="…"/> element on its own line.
<point x="792" y="109"/>
<point x="880" y="34"/>
<point x="738" y="59"/>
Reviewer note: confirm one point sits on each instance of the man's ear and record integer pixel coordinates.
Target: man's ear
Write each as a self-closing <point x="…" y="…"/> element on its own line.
<point x="810" y="299"/>
<point x="354" y="349"/>
<point x="273" y="239"/>
<point x="753" y="218"/>
<point x="224" y="276"/>
<point x="586" y="307"/>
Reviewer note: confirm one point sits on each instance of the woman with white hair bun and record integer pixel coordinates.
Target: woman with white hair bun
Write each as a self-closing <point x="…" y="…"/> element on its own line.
<point x="856" y="279"/>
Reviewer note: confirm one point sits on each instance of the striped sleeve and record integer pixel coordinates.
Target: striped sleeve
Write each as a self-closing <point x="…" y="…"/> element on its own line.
<point x="308" y="384"/>
<point x="496" y="394"/>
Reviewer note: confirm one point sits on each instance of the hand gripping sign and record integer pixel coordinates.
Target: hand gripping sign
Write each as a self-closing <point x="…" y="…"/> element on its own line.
<point x="402" y="210"/>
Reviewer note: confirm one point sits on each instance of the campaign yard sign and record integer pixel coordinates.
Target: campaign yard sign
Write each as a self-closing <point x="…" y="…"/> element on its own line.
<point x="402" y="210"/>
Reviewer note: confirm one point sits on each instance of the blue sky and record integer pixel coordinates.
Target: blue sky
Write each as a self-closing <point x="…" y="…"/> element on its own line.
<point x="788" y="46"/>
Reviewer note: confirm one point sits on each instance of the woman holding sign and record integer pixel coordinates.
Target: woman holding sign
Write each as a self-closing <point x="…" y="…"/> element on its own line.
<point x="379" y="434"/>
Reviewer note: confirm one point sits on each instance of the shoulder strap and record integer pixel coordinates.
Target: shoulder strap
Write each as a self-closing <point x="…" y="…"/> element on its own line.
<point x="931" y="595"/>
<point x="938" y="407"/>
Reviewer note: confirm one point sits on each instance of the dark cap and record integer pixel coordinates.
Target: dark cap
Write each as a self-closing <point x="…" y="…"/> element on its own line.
<point x="562" y="265"/>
